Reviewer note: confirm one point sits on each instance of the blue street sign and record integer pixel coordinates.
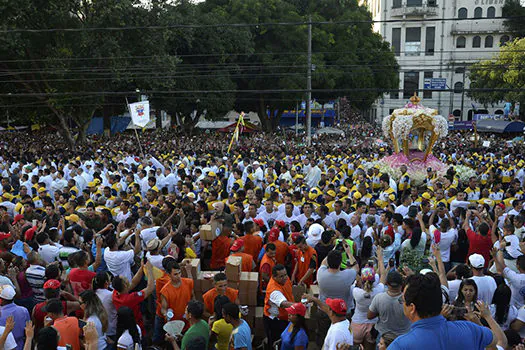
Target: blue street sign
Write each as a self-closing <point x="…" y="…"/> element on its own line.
<point x="435" y="84"/>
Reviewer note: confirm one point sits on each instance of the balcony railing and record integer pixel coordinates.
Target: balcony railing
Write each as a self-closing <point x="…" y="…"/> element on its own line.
<point x="415" y="10"/>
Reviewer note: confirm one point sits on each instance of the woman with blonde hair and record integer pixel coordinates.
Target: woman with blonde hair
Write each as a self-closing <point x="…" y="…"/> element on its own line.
<point x="95" y="312"/>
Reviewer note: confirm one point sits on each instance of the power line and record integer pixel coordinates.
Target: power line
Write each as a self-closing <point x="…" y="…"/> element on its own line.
<point x="230" y="54"/>
<point x="276" y="91"/>
<point x="243" y="25"/>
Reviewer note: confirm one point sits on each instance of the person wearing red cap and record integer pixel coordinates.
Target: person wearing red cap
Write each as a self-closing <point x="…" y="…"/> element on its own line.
<point x="339" y="331"/>
<point x="19" y="219"/>
<point x="306" y="263"/>
<point x="5" y="238"/>
<point x="268" y="261"/>
<point x="295" y="336"/>
<point x="281" y="248"/>
<point x="220" y="248"/>
<point x="252" y="242"/>
<point x="237" y="249"/>
<point x="278" y="297"/>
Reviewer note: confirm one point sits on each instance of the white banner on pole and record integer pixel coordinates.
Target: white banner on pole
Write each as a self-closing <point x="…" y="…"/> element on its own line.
<point x="139" y="113"/>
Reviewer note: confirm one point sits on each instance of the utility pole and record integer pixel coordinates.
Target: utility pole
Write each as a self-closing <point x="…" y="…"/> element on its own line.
<point x="309" y="86"/>
<point x="296" y="118"/>
<point x="463" y="93"/>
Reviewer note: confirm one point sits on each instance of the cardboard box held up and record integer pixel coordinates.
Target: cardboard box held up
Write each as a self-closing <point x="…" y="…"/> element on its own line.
<point x="195" y="268"/>
<point x="209" y="232"/>
<point x="233" y="268"/>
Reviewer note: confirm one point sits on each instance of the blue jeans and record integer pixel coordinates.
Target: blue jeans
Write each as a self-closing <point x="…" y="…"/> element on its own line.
<point x="158" y="331"/>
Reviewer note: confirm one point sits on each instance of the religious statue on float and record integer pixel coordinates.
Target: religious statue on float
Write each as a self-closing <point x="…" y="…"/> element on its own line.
<point x="414" y="130"/>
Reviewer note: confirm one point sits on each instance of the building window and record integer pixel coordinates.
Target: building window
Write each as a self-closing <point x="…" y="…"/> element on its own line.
<point x="461" y="42"/>
<point x="432" y="3"/>
<point x="396" y="40"/>
<point x="458" y="87"/>
<point x="428" y="93"/>
<point x="430" y="35"/>
<point x="491" y="12"/>
<point x="413" y="42"/>
<point x="456" y="113"/>
<point x="499" y="111"/>
<point x="410" y="84"/>
<point x="478" y="12"/>
<point x="489" y="41"/>
<point x="476" y="41"/>
<point x="503" y="40"/>
<point x="396" y="4"/>
<point x="462" y="13"/>
<point x="414" y="3"/>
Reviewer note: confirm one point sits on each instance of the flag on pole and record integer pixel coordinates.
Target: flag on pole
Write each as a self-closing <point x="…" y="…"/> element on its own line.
<point x="139" y="113"/>
<point x="239" y="128"/>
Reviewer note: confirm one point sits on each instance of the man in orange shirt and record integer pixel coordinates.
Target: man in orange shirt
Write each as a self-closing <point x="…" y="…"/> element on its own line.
<point x="221" y="288"/>
<point x="268" y="261"/>
<point x="237" y="249"/>
<point x="159" y="284"/>
<point x="278" y="297"/>
<point x="176" y="294"/>
<point x="67" y="327"/>
<point x="306" y="263"/>
<point x="252" y="242"/>
<point x="220" y="248"/>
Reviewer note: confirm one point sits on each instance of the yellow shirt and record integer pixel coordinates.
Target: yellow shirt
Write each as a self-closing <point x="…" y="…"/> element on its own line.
<point x="190" y="254"/>
<point x="223" y="331"/>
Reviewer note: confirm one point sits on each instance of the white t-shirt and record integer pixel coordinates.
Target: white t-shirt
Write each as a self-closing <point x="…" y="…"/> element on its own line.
<point x="101" y="335"/>
<point x="486" y="288"/>
<point x="126" y="341"/>
<point x="362" y="303"/>
<point x="156" y="260"/>
<point x="338" y="333"/>
<point x="511" y="316"/>
<point x="106" y="297"/>
<point x="48" y="252"/>
<point x="276" y="298"/>
<point x="447" y="238"/>
<point x="10" y="342"/>
<point x="453" y="289"/>
<point x="119" y="262"/>
<point x="517" y="286"/>
<point x="148" y="234"/>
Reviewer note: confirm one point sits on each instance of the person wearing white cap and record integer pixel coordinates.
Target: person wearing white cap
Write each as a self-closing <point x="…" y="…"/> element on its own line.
<point x="258" y="174"/>
<point x="486" y="284"/>
<point x="19" y="314"/>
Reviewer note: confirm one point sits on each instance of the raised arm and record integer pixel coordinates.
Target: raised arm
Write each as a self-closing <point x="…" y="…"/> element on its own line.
<point x="440" y="266"/>
<point x="381" y="265"/>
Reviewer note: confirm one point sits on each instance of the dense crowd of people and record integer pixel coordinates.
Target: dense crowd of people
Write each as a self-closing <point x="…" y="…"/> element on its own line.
<point x="95" y="242"/>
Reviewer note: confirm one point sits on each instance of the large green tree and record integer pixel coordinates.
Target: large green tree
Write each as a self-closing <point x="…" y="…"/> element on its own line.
<point x="501" y="78"/>
<point x="349" y="58"/>
<point x="514" y="12"/>
<point x="63" y="77"/>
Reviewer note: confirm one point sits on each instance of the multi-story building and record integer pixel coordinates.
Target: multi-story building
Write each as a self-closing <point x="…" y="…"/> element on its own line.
<point x="439" y="40"/>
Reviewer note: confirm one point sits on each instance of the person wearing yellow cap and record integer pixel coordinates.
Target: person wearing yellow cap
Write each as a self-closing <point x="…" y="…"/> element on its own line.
<point x="329" y="198"/>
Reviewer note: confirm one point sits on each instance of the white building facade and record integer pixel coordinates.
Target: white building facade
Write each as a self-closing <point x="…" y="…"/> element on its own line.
<point x="436" y="42"/>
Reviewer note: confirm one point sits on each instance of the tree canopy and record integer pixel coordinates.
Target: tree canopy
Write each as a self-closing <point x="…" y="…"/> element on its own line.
<point x="65" y="61"/>
<point x="502" y="78"/>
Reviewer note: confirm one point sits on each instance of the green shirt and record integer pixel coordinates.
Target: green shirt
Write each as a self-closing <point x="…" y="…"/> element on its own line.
<point x="199" y="329"/>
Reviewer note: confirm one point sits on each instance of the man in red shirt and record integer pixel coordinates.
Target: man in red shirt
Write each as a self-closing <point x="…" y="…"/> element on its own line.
<point x="123" y="297"/>
<point x="480" y="241"/>
<point x="306" y="265"/>
<point x="220" y="249"/>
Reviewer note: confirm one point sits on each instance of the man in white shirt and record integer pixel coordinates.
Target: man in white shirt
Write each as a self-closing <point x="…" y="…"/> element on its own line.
<point x="307" y="213"/>
<point x="405" y="205"/>
<point x="516" y="280"/>
<point x="338" y="213"/>
<point x="269" y="214"/>
<point x="339" y="332"/>
<point x="119" y="261"/>
<point x="287" y="198"/>
<point x="486" y="284"/>
<point x="47" y="251"/>
<point x="258" y="174"/>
